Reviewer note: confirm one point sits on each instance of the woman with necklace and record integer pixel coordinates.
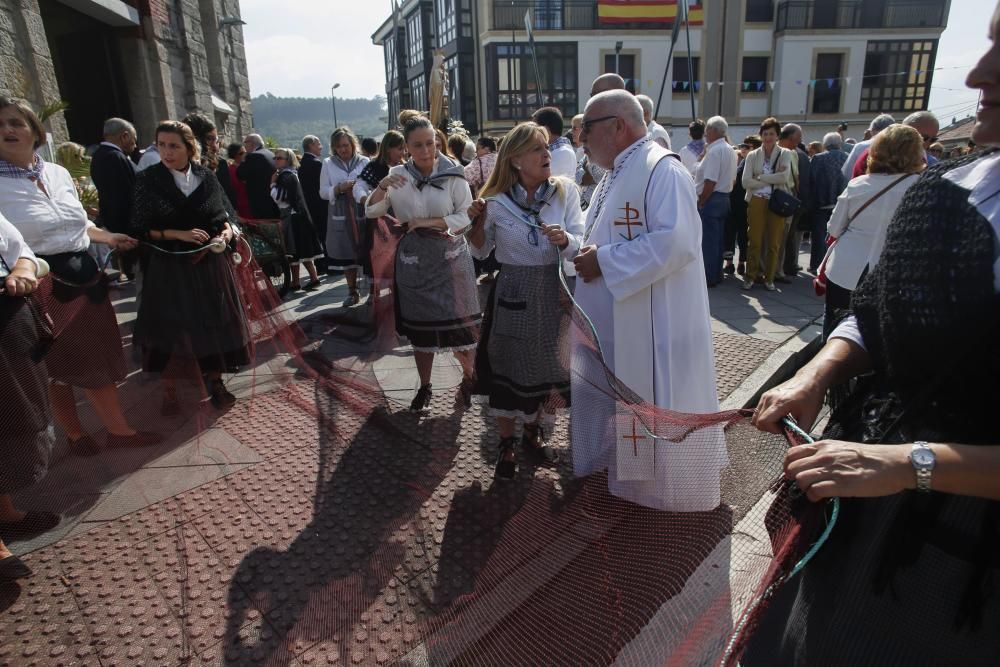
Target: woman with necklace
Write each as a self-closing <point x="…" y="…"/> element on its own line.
<point x="190" y="305"/>
<point x="534" y="221"/>
<point x="343" y="231"/>
<point x="437" y="303"/>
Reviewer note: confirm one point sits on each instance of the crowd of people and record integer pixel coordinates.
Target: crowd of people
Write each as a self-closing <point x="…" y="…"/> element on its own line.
<point x="904" y="249"/>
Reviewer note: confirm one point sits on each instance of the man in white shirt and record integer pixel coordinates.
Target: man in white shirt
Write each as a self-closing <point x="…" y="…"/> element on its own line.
<point x="691" y="153"/>
<point x="878" y="124"/>
<point x="656" y="131"/>
<point x="563" y="156"/>
<point x="641" y="282"/>
<point x="714" y="178"/>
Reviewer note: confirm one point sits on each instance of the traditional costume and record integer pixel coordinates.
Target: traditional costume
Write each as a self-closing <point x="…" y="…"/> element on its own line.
<point x="521" y="362"/>
<point x="650" y="311"/>
<point x="301" y="242"/>
<point x="345" y="217"/>
<point x="190" y="303"/>
<point x="436" y="299"/>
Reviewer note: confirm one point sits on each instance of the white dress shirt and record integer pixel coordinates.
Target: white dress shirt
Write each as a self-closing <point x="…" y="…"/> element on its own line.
<point x="451" y="201"/>
<point x="852" y="158"/>
<point x="50" y="223"/>
<point x="513" y="239"/>
<point x="187" y="181"/>
<point x="718" y="166"/>
<point x="148" y="159"/>
<point x="564" y="161"/>
<point x="659" y="134"/>
<point x="12" y="247"/>
<point x="333" y="174"/>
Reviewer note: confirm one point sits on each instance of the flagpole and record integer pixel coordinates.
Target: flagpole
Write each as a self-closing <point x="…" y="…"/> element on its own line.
<point x="674" y="34"/>
<point x="687" y="30"/>
<point x="534" y="58"/>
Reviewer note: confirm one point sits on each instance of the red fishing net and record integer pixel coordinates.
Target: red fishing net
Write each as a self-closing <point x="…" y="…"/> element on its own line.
<point x="333" y="526"/>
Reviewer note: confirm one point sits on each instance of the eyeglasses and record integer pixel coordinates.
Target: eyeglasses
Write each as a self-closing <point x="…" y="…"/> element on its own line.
<point x="930" y="139"/>
<point x="585" y="126"/>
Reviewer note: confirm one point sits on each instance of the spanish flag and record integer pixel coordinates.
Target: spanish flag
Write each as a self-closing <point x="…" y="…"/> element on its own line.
<point x="646" y="11"/>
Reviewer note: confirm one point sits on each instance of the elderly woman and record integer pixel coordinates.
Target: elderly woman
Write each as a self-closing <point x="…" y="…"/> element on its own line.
<point x="863" y="211"/>
<point x="27" y="434"/>
<point x="190" y="305"/>
<point x="437" y="303"/>
<point x="908" y="575"/>
<point x="765" y="170"/>
<point x="40" y="200"/>
<point x="301" y="242"/>
<point x="533" y="220"/>
<point x="343" y="230"/>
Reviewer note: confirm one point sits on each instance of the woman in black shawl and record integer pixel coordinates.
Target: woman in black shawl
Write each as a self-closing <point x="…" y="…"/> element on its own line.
<point x="302" y="246"/>
<point x="189" y="303"/>
<point x="909" y="574"/>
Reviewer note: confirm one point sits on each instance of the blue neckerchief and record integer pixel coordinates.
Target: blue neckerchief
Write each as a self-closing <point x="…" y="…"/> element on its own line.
<point x="34" y="172"/>
<point x="559" y="142"/>
<point x="696" y="146"/>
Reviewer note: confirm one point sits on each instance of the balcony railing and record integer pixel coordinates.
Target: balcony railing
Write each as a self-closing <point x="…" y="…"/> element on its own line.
<point x="558" y="15"/>
<point x="863" y="14"/>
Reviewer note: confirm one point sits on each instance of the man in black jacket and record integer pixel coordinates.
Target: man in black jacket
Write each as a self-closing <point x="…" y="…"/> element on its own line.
<point x="309" y="173"/>
<point x="113" y="174"/>
<point x="791" y="139"/>
<point x="256" y="171"/>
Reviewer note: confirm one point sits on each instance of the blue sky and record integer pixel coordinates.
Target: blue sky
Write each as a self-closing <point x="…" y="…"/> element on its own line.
<point x="302" y="47"/>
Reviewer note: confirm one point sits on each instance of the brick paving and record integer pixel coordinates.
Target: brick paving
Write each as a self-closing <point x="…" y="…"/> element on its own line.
<point x="235" y="544"/>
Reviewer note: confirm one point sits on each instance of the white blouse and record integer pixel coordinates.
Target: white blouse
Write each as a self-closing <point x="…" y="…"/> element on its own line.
<point x="50" y="223"/>
<point x="518" y="244"/>
<point x="12" y="247"/>
<point x="332" y="175"/>
<point x="187" y="181"/>
<point x="451" y="201"/>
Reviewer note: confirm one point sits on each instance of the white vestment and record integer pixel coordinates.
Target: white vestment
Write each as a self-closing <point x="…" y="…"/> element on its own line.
<point x="650" y="310"/>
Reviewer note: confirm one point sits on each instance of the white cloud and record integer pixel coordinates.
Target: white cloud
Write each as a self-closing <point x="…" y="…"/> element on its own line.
<point x="299" y="48"/>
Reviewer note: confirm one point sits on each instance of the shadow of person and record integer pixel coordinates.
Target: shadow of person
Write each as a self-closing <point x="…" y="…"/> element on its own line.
<point x="367" y="499"/>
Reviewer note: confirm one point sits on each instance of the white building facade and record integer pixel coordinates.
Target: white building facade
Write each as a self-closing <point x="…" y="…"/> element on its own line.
<point x="814" y="62"/>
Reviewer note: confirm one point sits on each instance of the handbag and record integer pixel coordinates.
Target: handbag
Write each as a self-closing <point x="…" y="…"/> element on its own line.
<point x="782" y="203"/>
<point x="820" y="281"/>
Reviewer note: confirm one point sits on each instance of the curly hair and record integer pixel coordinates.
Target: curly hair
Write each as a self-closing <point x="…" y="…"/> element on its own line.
<point x="898" y="149"/>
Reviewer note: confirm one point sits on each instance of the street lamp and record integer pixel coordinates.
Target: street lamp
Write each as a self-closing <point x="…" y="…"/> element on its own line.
<point x="333" y="96"/>
<point x="226" y="23"/>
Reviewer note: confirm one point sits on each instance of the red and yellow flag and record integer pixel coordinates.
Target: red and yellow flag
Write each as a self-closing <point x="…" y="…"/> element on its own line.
<point x="646" y="11"/>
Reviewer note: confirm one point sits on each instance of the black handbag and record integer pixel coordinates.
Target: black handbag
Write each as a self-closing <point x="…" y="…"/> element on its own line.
<point x="783" y="204"/>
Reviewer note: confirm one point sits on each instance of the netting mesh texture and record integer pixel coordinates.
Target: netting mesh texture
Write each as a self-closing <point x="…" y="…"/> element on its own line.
<point x="337" y="527"/>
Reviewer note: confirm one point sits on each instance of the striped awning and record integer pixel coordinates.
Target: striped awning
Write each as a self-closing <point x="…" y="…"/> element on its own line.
<point x="646" y="11"/>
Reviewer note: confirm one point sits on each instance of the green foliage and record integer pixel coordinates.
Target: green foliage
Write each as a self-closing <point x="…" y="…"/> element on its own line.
<point x="52" y="108"/>
<point x="287" y="119"/>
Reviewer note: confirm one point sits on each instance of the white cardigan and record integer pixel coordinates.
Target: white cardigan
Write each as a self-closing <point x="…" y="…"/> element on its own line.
<point x="755" y="179"/>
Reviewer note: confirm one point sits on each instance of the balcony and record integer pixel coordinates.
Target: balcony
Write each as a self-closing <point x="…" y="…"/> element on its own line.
<point x="558" y="15"/>
<point x="860" y="14"/>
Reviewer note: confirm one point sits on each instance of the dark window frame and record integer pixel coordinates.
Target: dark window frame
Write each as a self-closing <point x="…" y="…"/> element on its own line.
<point x="558" y="62"/>
<point x="446" y="15"/>
<point x="887" y="92"/>
<point x="418" y="92"/>
<point x="414" y="40"/>
<point x="679" y="72"/>
<point x="759" y="11"/>
<point x="754" y="78"/>
<point x="826" y="98"/>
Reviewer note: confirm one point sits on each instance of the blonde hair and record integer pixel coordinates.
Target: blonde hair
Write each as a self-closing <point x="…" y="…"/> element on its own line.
<point x="406" y="115"/>
<point x="898" y="149"/>
<point x="340" y="133"/>
<point x="517" y="142"/>
<point x="291" y="159"/>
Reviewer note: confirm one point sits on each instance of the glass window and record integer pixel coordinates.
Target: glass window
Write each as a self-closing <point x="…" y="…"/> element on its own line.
<point x="511" y="74"/>
<point x="680" y="78"/>
<point x="754" y="76"/>
<point x="626" y="69"/>
<point x="548" y="14"/>
<point x="414" y="40"/>
<point x="444" y="10"/>
<point x="826" y="90"/>
<point x="418" y="93"/>
<point x="760" y="11"/>
<point x="897" y="75"/>
<point x="390" y="58"/>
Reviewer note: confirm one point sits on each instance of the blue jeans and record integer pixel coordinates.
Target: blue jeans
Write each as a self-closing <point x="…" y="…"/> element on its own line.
<point x="817" y="247"/>
<point x="713" y="225"/>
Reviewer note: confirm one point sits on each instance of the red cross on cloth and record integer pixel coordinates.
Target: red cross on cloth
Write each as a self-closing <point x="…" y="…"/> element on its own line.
<point x="635" y="438"/>
<point x="631" y="218"/>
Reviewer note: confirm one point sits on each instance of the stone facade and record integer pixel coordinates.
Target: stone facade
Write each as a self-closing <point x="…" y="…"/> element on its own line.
<point x="163" y="58"/>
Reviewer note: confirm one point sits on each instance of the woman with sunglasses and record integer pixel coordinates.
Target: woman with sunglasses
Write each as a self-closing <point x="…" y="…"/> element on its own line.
<point x="534" y="221"/>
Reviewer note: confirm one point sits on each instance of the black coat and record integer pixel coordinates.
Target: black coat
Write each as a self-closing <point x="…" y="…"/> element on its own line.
<point x="113" y="174"/>
<point x="309" y="173"/>
<point x="160" y="205"/>
<point x="256" y="171"/>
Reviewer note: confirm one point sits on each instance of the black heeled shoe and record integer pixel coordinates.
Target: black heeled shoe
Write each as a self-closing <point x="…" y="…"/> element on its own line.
<point x="505" y="468"/>
<point x="221" y="397"/>
<point x="422" y="399"/>
<point x="464" y="395"/>
<point x="533" y="444"/>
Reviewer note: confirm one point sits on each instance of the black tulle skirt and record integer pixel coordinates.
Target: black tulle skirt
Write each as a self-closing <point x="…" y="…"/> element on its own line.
<point x="190" y="307"/>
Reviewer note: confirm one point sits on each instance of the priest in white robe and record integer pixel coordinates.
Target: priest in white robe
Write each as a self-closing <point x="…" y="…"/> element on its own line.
<point x="642" y="284"/>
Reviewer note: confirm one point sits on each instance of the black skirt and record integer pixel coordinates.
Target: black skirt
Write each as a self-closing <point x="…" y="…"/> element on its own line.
<point x="27" y="435"/>
<point x="191" y="307"/>
<point x="301" y="242"/>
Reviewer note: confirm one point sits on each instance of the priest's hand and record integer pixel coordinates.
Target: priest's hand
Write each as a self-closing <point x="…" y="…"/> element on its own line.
<point x="586" y="264"/>
<point x="834" y="468"/>
<point x="556" y="236"/>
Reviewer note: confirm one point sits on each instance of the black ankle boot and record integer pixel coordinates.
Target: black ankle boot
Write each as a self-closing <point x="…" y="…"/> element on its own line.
<point x="505" y="468"/>
<point x="422" y="399"/>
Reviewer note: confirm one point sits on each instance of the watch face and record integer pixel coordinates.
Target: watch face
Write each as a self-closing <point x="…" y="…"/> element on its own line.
<point x="923" y="457"/>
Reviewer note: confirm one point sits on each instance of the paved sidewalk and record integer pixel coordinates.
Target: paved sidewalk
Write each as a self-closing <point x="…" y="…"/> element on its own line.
<point x="233" y="543"/>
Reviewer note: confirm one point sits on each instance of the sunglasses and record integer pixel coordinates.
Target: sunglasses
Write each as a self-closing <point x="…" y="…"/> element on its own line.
<point x="930" y="139"/>
<point x="586" y="124"/>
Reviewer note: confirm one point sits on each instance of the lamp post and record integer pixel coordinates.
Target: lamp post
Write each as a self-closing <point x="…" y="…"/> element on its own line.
<point x="226" y="23"/>
<point x="333" y="97"/>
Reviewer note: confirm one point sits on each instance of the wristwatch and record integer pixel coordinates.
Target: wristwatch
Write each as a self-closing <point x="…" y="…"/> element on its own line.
<point x="923" y="460"/>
